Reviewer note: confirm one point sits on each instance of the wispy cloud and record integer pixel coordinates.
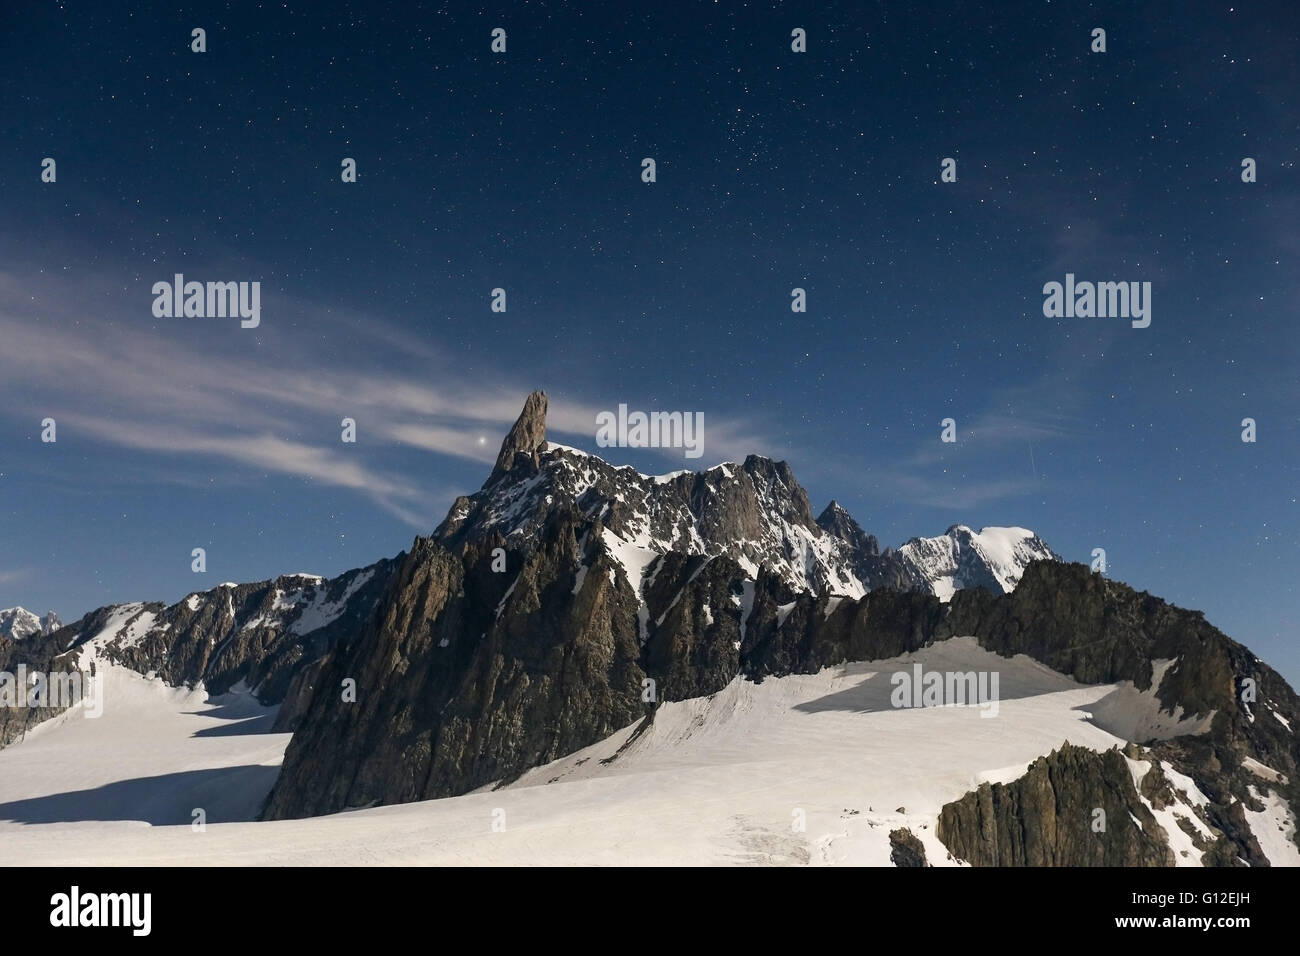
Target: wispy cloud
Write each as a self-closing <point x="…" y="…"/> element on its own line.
<point x="992" y="460"/>
<point x="14" y="575"/>
<point x="272" y="399"/>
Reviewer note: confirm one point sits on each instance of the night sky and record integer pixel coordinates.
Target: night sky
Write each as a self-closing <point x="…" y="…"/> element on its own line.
<point x="775" y="170"/>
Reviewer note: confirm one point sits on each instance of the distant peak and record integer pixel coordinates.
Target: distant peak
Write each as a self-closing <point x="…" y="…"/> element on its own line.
<point x="834" y="515"/>
<point x="19" y="623"/>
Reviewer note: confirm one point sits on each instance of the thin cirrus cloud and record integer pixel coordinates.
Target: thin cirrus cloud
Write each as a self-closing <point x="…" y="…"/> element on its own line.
<point x="979" y="468"/>
<point x="991" y="461"/>
<point x="270" y="401"/>
<point x="14" y="575"/>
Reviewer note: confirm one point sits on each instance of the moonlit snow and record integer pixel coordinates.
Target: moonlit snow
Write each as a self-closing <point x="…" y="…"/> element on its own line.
<point x="717" y="780"/>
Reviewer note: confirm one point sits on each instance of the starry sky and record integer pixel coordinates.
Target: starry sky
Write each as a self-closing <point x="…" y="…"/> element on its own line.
<point x="775" y="170"/>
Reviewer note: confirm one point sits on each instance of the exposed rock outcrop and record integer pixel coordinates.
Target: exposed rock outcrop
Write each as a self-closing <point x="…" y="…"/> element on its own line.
<point x="906" y="849"/>
<point x="1074" y="807"/>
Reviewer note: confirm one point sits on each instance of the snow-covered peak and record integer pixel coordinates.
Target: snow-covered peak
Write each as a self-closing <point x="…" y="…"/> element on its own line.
<point x="19" y="623"/>
<point x="992" y="558"/>
<point x="556" y="446"/>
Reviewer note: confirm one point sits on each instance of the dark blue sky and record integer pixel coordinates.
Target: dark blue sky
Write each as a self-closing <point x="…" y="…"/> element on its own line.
<point x="775" y="170"/>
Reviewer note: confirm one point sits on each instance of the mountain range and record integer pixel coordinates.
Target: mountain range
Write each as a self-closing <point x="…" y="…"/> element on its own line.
<point x="569" y="601"/>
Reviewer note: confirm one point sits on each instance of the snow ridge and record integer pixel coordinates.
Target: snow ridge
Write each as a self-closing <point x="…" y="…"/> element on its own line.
<point x="756" y="513"/>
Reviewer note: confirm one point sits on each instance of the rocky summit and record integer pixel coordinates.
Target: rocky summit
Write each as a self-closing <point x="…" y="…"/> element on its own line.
<point x="754" y="512"/>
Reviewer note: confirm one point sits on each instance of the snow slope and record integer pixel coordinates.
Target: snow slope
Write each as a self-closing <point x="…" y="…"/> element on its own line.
<point x="155" y="755"/>
<point x="718" y="780"/>
<point x="1274" y="828"/>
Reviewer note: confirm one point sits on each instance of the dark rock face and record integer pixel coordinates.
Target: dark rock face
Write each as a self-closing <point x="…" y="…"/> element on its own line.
<point x="467" y="676"/>
<point x="694" y="626"/>
<point x="1217" y="766"/>
<point x="34" y="653"/>
<point x="820" y="631"/>
<point x="1049" y="817"/>
<point x="525" y="438"/>
<point x="906" y="849"/>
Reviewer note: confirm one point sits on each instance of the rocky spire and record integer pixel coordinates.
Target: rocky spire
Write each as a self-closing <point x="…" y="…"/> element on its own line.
<point x="841" y="524"/>
<point x="526" y="436"/>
